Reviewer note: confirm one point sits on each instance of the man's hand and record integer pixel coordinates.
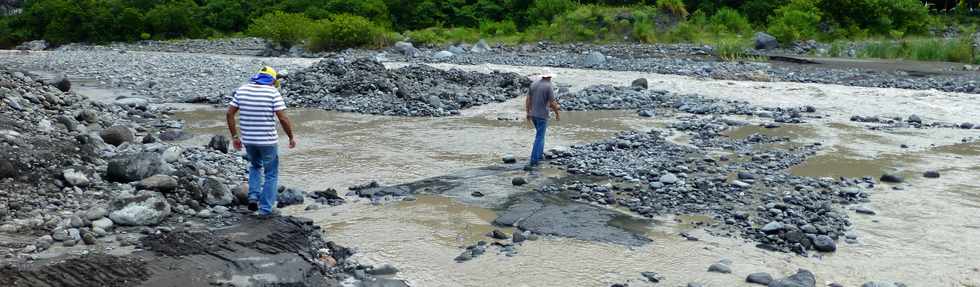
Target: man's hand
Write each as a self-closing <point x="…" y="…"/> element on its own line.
<point x="237" y="143"/>
<point x="557" y="117"/>
<point x="292" y="143"/>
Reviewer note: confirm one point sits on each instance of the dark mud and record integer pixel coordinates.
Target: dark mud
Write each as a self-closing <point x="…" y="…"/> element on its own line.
<point x="283" y="251"/>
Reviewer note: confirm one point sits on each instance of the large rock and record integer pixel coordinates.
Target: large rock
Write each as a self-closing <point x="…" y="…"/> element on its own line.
<point x="135" y="102"/>
<point x="36" y="45"/>
<point x="8" y="169"/>
<point x="640" y="83"/>
<point x="594" y="59"/>
<point x="219" y="143"/>
<point x="75" y="178"/>
<point x="130" y="168"/>
<point x="765" y="41"/>
<point x="761" y="278"/>
<point x="62" y="83"/>
<point x="145" y="208"/>
<point x="88" y="116"/>
<point x="117" y="135"/>
<point x="406" y="49"/>
<point x="720" y="268"/>
<point x="802" y="278"/>
<point x="217" y="192"/>
<point x="442" y="55"/>
<point x="172" y="154"/>
<point x="290" y="196"/>
<point x="103" y="223"/>
<point x="162" y="183"/>
<point x="824" y="243"/>
<point x="891" y="178"/>
<point x="481" y="47"/>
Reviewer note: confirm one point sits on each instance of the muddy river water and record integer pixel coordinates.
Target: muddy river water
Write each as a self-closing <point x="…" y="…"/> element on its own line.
<point x="926" y="234"/>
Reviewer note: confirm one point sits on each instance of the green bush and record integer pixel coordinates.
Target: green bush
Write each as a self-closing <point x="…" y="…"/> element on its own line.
<point x="758" y="11"/>
<point x="439" y="36"/>
<point x="286" y="29"/>
<point x="929" y="49"/>
<point x="727" y="20"/>
<point x="795" y="21"/>
<point x="877" y="16"/>
<point x="347" y="31"/>
<point x="497" y="29"/>
<point x="546" y="10"/>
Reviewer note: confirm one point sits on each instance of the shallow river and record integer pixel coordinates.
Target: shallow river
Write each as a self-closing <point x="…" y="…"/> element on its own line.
<point x="924" y="235"/>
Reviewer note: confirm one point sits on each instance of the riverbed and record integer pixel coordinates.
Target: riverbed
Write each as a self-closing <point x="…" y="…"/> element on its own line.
<point x="922" y="235"/>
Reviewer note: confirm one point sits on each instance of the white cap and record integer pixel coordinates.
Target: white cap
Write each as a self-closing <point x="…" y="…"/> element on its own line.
<point x="547" y="74"/>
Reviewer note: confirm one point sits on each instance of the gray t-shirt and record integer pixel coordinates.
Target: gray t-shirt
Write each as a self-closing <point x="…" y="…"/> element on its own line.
<point x="541" y="94"/>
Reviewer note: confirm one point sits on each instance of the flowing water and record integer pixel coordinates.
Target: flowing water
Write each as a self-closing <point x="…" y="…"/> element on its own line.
<point x="923" y="235"/>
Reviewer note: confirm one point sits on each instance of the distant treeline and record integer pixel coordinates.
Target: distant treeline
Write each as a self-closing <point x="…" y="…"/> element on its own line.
<point x="294" y="21"/>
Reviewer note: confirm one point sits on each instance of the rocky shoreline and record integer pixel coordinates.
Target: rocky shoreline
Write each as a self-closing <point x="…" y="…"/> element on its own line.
<point x="83" y="179"/>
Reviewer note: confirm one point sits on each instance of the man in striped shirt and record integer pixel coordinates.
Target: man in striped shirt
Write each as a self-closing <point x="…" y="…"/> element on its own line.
<point x="259" y="103"/>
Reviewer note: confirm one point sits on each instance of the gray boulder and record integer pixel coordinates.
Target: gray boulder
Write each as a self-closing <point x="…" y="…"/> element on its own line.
<point x="36" y="45"/>
<point x="134" y="102"/>
<point x="761" y="278"/>
<point x="219" y="143"/>
<point x="95" y="213"/>
<point x="824" y="243"/>
<point x="75" y="178"/>
<point x="594" y="59"/>
<point x="172" y="154"/>
<point x="145" y="208"/>
<point x="103" y="223"/>
<point x="456" y="50"/>
<point x="162" y="183"/>
<point x="117" y="135"/>
<point x="765" y="41"/>
<point x="720" y="268"/>
<point x="130" y="168"/>
<point x="802" y="278"/>
<point x="62" y="83"/>
<point x="8" y="169"/>
<point x="406" y="49"/>
<point x="481" y="47"/>
<point x="290" y="196"/>
<point x="640" y="83"/>
<point x="442" y="55"/>
<point x="217" y="192"/>
<point x="88" y="116"/>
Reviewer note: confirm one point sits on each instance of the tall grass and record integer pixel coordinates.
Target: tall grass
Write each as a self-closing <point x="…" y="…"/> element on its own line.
<point x="922" y="49"/>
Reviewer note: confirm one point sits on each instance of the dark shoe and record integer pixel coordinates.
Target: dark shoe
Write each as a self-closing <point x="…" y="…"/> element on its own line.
<point x="253" y="206"/>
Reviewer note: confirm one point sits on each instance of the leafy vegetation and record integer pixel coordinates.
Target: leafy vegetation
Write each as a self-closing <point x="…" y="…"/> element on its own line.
<point x="727" y="23"/>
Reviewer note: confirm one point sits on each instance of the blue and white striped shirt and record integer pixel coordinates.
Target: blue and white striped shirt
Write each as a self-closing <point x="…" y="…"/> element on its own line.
<point x="257" y="107"/>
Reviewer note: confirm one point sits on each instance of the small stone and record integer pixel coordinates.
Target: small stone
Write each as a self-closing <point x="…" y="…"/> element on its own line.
<point x="720" y="268"/>
<point x="669" y="178"/>
<point x="477" y="194"/>
<point x="518" y="181"/>
<point x="219" y="143"/>
<point x="117" y="135"/>
<point x="519" y="237"/>
<point x="75" y="178"/>
<point x="89" y="238"/>
<point x="760" y="278"/>
<point x="772" y="227"/>
<point x="384" y="269"/>
<point x="497" y="234"/>
<point x="864" y="210"/>
<point x="802" y="278"/>
<point x="692" y="284"/>
<point x="509" y="159"/>
<point x="931" y="174"/>
<point x="891" y="178"/>
<point x="653" y="276"/>
<point x="75" y="221"/>
<point x="646" y="113"/>
<point x="640" y="83"/>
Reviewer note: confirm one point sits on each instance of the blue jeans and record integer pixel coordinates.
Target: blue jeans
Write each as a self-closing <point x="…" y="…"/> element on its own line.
<point x="537" y="152"/>
<point x="264" y="165"/>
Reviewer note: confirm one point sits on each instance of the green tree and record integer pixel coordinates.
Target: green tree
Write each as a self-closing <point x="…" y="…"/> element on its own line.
<point x="175" y="19"/>
<point x="345" y="31"/>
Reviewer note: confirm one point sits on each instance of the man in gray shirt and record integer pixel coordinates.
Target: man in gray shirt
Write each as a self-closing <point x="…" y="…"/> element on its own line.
<point x="540" y="98"/>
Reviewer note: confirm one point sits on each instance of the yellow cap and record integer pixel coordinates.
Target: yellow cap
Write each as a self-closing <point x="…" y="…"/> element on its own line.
<point x="269" y="71"/>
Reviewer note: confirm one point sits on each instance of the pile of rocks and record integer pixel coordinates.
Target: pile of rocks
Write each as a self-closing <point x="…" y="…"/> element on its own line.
<point x="636" y="96"/>
<point x="749" y="193"/>
<point x="248" y="46"/>
<point x="366" y="86"/>
<point x="155" y="77"/>
<point x="912" y="121"/>
<point x="81" y="169"/>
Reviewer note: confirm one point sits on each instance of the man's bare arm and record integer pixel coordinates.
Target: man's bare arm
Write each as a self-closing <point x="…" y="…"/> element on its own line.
<point x="232" y="124"/>
<point x="553" y="104"/>
<point x="286" y="126"/>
